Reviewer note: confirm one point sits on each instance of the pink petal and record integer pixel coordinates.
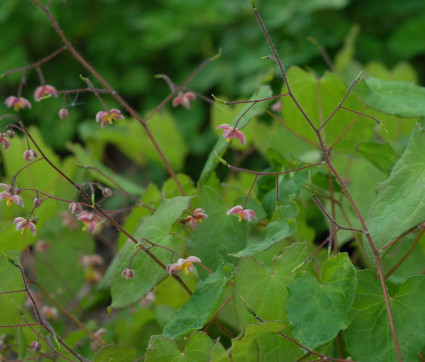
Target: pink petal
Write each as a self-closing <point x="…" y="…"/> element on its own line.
<point x="241" y="137"/>
<point x="11" y="101"/>
<point x="223" y="126"/>
<point x="190" y="96"/>
<point x="235" y="210"/>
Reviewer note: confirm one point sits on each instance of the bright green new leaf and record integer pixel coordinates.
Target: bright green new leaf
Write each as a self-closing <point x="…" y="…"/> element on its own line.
<point x="147" y="272"/>
<point x="219" y="235"/>
<point x="245" y="347"/>
<point x="199" y="347"/>
<point x="317" y="312"/>
<point x="115" y="353"/>
<point x="266" y="292"/>
<point x="282" y="226"/>
<point x="369" y="338"/>
<point x="254" y="111"/>
<point x="400" y="204"/>
<point x="381" y="155"/>
<point x="399" y="98"/>
<point x="201" y="306"/>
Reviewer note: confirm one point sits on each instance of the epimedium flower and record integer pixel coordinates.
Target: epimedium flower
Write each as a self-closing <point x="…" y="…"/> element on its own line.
<point x="9" y="195"/>
<point x="17" y="103"/>
<point x="90" y="221"/>
<point x="63" y="113"/>
<point x="231" y="132"/>
<point x="128" y="274"/>
<point x="23" y="224"/>
<point x="194" y="219"/>
<point x="108" y="117"/>
<point x="183" y="264"/>
<point x="4" y="141"/>
<point x="184" y="99"/>
<point x="30" y="155"/>
<point x="246" y="214"/>
<point x="43" y="90"/>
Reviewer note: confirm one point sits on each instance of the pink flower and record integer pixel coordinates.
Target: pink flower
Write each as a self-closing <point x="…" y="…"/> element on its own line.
<point x="23" y="224"/>
<point x="197" y="216"/>
<point x="30" y="155"/>
<point x="75" y="208"/>
<point x="277" y="107"/>
<point x="184" y="99"/>
<point x="17" y="103"/>
<point x="35" y="346"/>
<point x="63" y="113"/>
<point x="108" y="117"/>
<point x="9" y="195"/>
<point x="5" y="141"/>
<point x="91" y="260"/>
<point x="230" y="132"/>
<point x="42" y="90"/>
<point x="128" y="274"/>
<point x="183" y="264"/>
<point x="90" y="220"/>
<point x="246" y="214"/>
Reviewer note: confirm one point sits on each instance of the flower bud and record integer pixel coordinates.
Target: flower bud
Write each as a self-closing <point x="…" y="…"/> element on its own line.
<point x="107" y="192"/>
<point x="30" y="155"/>
<point x="11" y="133"/>
<point x="37" y="202"/>
<point x="63" y="113"/>
<point x="128" y="274"/>
<point x="36" y="346"/>
<point x="75" y="208"/>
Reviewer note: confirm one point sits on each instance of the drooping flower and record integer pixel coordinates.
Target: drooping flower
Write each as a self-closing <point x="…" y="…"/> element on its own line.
<point x="4" y="141"/>
<point x="183" y="264"/>
<point x="30" y="155"/>
<point x="42" y="90"/>
<point x="23" y="224"/>
<point x="197" y="217"/>
<point x="91" y="260"/>
<point x="108" y="117"/>
<point x="63" y="113"/>
<point x="49" y="312"/>
<point x="35" y="346"/>
<point x="230" y="132"/>
<point x="75" y="208"/>
<point x="128" y="274"/>
<point x="17" y="102"/>
<point x="90" y="221"/>
<point x="246" y="214"/>
<point x="9" y="195"/>
<point x="184" y="99"/>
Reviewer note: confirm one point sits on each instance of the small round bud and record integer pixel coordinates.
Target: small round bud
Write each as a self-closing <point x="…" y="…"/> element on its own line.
<point x="128" y="274"/>
<point x="36" y="346"/>
<point x="30" y="155"/>
<point x="37" y="202"/>
<point x="34" y="220"/>
<point x="107" y="192"/>
<point x="11" y="133"/>
<point x="63" y="113"/>
<point x="75" y="208"/>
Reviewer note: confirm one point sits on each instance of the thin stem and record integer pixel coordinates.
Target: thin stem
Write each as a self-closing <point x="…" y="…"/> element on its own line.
<point x="250" y="190"/>
<point x="234" y="168"/>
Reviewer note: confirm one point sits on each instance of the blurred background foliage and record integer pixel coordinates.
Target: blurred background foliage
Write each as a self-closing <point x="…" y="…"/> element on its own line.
<point x="130" y="42"/>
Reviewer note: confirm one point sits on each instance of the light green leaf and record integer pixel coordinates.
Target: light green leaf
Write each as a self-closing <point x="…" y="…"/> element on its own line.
<point x="147" y="272"/>
<point x="219" y="235"/>
<point x="201" y="306"/>
<point x="399" y="98"/>
<point x="317" y="312"/>
<point x="369" y="338"/>
<point x="199" y="347"/>
<point x="266" y="292"/>
<point x="115" y="353"/>
<point x="282" y="226"/>
<point x="221" y="145"/>
<point x="400" y="204"/>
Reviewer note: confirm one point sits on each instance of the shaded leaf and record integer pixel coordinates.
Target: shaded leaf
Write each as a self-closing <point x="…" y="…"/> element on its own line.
<point x="381" y="155"/>
<point x="115" y="353"/>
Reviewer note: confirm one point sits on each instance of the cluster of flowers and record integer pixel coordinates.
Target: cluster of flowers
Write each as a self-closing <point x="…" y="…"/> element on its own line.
<point x="91" y="221"/>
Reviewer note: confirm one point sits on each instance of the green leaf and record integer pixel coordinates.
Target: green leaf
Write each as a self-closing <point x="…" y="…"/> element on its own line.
<point x="115" y="353"/>
<point x="399" y="98"/>
<point x="317" y="312"/>
<point x="282" y="226"/>
<point x="200" y="308"/>
<point x="245" y="348"/>
<point x="199" y="347"/>
<point x="381" y="155"/>
<point x="221" y="145"/>
<point x="219" y="235"/>
<point x="369" y="338"/>
<point x="400" y="204"/>
<point x="266" y="292"/>
<point x="147" y="272"/>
